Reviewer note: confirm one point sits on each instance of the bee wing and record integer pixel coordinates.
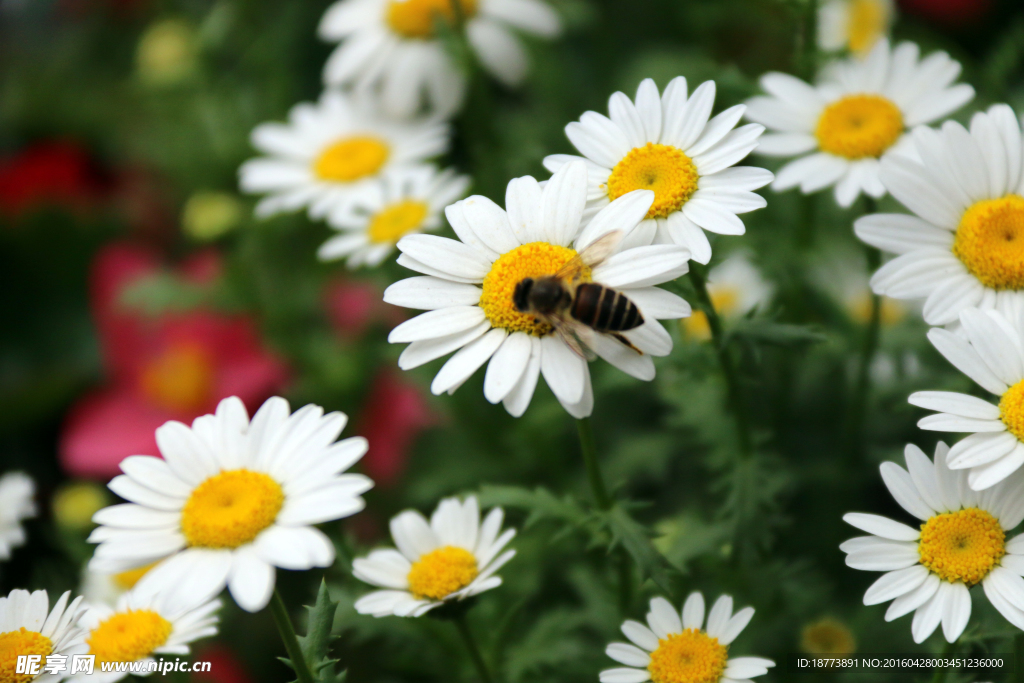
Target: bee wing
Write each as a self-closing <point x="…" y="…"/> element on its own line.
<point x="591" y="256"/>
<point x="576" y="336"/>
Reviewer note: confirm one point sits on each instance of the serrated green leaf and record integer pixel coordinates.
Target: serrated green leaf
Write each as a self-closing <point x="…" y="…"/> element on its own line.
<point x="317" y="641"/>
<point x="764" y="331"/>
<point x="539" y="502"/>
<point x="636" y="540"/>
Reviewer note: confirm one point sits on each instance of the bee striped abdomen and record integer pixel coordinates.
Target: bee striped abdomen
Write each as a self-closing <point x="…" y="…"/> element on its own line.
<point x="604" y="309"/>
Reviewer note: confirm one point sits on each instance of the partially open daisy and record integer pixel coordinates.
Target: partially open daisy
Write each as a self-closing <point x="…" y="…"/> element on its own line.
<point x="17" y="493"/>
<point x="332" y="150"/>
<point x="736" y="287"/>
<point x="406" y="201"/>
<point x="230" y="501"/>
<point x="854" y="25"/>
<point x="453" y="557"/>
<point x="960" y="543"/>
<point x="100" y="588"/>
<point x="468" y="287"/>
<point x="392" y="47"/>
<point x="29" y="627"/>
<point x="142" y="626"/>
<point x="989" y="350"/>
<point x="965" y="246"/>
<point x="669" y="144"/>
<point x="679" y="648"/>
<point x="859" y="111"/>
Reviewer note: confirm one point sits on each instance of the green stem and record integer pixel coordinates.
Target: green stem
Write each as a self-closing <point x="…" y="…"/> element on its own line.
<point x="1018" y="651"/>
<point x="625" y="583"/>
<point x="807" y="45"/>
<point x="939" y="674"/>
<point x="291" y="641"/>
<point x="808" y="222"/>
<point x="718" y="341"/>
<point x="862" y="387"/>
<point x="597" y="488"/>
<point x="474" y="650"/>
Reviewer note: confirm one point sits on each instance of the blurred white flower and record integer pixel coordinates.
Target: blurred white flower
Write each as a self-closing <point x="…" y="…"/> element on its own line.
<point x="29" y="627"/>
<point x="859" y="111"/>
<point x="391" y="47"/>
<point x="17" y="493"/>
<point x="736" y="287"/>
<point x="231" y="500"/>
<point x="854" y="25"/>
<point x="331" y="151"/>
<point x="468" y="286"/>
<point x="453" y="557"/>
<point x="668" y="143"/>
<point x="679" y="648"/>
<point x="965" y="246"/>
<point x="962" y="542"/>
<point x="406" y="201"/>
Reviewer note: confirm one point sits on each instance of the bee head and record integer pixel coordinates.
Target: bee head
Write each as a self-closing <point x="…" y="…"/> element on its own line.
<point x="521" y="295"/>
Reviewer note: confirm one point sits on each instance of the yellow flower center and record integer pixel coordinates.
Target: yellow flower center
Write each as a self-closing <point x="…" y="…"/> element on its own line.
<point x="662" y="168"/>
<point x="391" y="223"/>
<point x="688" y="657"/>
<point x="126" y="580"/>
<point x="962" y="546"/>
<point x="128" y="636"/>
<point x="350" y="159"/>
<point x="990" y="242"/>
<point x="867" y="24"/>
<point x="1011" y="410"/>
<point x="180" y="379"/>
<point x="535" y="259"/>
<point x="859" y="126"/>
<point x="724" y="299"/>
<point x="827" y="637"/>
<point x="441" y="572"/>
<point x="891" y="312"/>
<point x="21" y="642"/>
<point x="417" y="18"/>
<point x="230" y="509"/>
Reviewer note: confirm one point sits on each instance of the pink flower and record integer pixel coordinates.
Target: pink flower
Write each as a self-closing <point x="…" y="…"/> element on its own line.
<point x="353" y="306"/>
<point x="395" y="413"/>
<point x="175" y="366"/>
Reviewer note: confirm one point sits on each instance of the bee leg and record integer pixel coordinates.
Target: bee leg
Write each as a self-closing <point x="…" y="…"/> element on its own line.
<point x="625" y="341"/>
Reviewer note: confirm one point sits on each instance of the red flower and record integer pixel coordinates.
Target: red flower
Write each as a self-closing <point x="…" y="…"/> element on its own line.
<point x="175" y="366"/>
<point x="354" y="305"/>
<point x="224" y="666"/>
<point x="47" y="173"/>
<point x="948" y="12"/>
<point x="394" y="415"/>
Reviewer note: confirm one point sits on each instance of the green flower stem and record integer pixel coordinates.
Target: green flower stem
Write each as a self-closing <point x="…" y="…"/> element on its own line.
<point x="808" y="222"/>
<point x="862" y="387"/>
<point x="718" y="341"/>
<point x="948" y="650"/>
<point x="474" y="650"/>
<point x="807" y="42"/>
<point x="291" y="641"/>
<point x="597" y="488"/>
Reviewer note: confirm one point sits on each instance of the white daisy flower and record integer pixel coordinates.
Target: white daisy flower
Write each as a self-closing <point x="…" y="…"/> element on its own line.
<point x="736" y="287"/>
<point x="17" y="493"/>
<point x="860" y="110"/>
<point x="391" y="47"/>
<point x="960" y="543"/>
<point x="100" y="588"/>
<point x="854" y="25"/>
<point x="669" y="143"/>
<point x="965" y="246"/>
<point x="989" y="350"/>
<point x="678" y="648"/>
<point x="331" y="151"/>
<point x="27" y="629"/>
<point x="453" y="557"/>
<point x="407" y="200"/>
<point x="468" y="288"/>
<point x="140" y="626"/>
<point x="230" y="501"/>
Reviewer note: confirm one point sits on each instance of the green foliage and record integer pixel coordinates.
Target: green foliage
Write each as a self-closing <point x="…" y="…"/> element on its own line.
<point x="316" y="643"/>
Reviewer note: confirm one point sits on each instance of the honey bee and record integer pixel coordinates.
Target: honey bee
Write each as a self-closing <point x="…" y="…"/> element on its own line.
<point x="575" y="309"/>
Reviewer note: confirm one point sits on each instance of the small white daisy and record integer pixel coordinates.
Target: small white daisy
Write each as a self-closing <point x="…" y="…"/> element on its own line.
<point x="736" y="287"/>
<point x="854" y="25"/>
<point x="406" y="201"/>
<point x="990" y="350"/>
<point x="859" y="111"/>
<point x="678" y="648"/>
<point x="100" y="588"/>
<point x="453" y="557"/>
<point x="961" y="542"/>
<point x="965" y="246"/>
<point x="468" y="288"/>
<point x="391" y="47"/>
<point x="141" y="626"/>
<point x="230" y="501"/>
<point x="27" y="629"/>
<point x="17" y="493"/>
<point x="333" y="150"/>
<point x="669" y="144"/>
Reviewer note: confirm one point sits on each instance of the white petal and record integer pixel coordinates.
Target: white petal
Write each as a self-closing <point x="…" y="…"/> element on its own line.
<point x="881" y="526"/>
